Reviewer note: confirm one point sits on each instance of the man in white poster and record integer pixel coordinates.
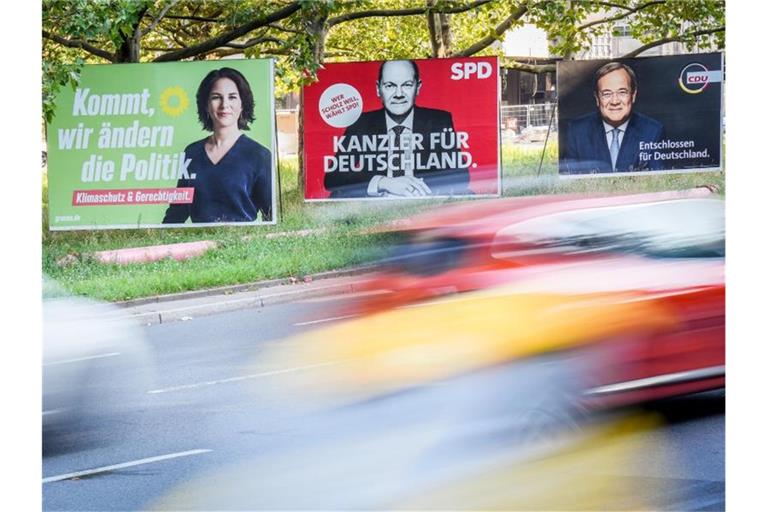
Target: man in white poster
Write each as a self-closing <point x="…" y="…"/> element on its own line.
<point x="415" y="162"/>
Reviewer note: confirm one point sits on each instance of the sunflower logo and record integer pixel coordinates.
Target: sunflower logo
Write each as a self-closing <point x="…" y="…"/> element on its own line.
<point x="174" y="101"/>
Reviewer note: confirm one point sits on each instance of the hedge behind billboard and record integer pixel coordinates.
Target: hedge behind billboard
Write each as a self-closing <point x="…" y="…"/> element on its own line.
<point x="429" y="127"/>
<point x="671" y="122"/>
<point x="121" y="152"/>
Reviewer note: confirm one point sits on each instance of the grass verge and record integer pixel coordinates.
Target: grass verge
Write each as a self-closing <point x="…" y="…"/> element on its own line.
<point x="247" y="254"/>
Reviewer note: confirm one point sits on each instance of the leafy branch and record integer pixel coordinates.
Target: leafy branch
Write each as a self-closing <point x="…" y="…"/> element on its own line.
<point x="682" y="38"/>
<point x="497" y="32"/>
<point x="157" y="20"/>
<point x="414" y="11"/>
<point x="627" y="12"/>
<point x="80" y="44"/>
<point x="230" y="35"/>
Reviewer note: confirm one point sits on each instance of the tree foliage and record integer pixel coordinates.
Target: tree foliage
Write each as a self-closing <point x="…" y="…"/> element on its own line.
<point x="303" y="34"/>
<point x="573" y="25"/>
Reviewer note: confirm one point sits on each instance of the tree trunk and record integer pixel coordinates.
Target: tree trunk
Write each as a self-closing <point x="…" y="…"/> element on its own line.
<point x="300" y="145"/>
<point x="129" y="50"/>
<point x="318" y="31"/>
<point x="439" y="32"/>
<point x="434" y="34"/>
<point x="445" y="34"/>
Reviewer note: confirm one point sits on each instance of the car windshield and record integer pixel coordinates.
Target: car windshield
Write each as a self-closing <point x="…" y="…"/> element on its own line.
<point x="425" y="257"/>
<point x="692" y="228"/>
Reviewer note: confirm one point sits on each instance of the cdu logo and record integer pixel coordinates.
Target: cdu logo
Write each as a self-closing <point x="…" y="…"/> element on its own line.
<point x="695" y="77"/>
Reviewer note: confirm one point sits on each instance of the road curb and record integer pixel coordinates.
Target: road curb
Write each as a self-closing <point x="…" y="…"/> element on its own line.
<point x="245" y="287"/>
<point x="191" y="311"/>
<point x="188" y="305"/>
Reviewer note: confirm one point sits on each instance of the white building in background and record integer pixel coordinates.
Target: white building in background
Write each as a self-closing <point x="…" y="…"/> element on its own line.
<point x="530" y="41"/>
<point x="526" y="41"/>
<point x="620" y="42"/>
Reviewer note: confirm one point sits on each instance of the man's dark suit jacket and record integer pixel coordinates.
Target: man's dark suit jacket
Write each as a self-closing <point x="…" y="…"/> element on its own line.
<point x="425" y="121"/>
<point x="587" y="149"/>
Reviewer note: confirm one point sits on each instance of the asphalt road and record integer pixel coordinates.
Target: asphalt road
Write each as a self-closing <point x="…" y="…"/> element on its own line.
<point x="212" y="433"/>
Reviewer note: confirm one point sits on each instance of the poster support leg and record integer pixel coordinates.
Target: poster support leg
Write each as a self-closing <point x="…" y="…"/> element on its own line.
<point x="546" y="140"/>
<point x="277" y="171"/>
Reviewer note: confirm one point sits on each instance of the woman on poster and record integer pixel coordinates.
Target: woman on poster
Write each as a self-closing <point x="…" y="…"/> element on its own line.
<point x="231" y="173"/>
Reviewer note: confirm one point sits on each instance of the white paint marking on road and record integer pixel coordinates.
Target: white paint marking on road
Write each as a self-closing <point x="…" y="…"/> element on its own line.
<point x="257" y="299"/>
<point x="113" y="467"/>
<point x="199" y="306"/>
<point x="344" y="296"/>
<point x="235" y="379"/>
<point x="323" y="320"/>
<point x="311" y="287"/>
<point x="111" y="354"/>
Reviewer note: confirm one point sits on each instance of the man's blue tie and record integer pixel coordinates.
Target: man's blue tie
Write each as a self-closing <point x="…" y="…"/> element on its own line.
<point x="614" y="147"/>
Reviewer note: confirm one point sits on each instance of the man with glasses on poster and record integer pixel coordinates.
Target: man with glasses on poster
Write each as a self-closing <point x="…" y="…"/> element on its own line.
<point x="405" y="168"/>
<point x="609" y="139"/>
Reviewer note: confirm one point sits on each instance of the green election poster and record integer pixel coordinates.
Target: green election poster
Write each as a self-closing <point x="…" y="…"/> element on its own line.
<point x="164" y="145"/>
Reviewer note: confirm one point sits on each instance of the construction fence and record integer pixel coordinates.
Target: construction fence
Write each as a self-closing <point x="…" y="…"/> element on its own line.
<point x="528" y="124"/>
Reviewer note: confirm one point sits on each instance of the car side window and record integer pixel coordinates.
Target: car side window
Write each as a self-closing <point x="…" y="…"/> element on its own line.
<point x="678" y="228"/>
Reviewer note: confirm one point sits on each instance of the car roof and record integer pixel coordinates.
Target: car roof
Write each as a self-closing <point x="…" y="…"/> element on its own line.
<point x="478" y="218"/>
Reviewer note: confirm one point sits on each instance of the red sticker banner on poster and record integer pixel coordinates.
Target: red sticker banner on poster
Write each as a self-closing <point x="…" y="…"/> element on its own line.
<point x="393" y="129"/>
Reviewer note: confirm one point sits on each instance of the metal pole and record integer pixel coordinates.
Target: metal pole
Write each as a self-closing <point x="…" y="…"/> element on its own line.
<point x="546" y="140"/>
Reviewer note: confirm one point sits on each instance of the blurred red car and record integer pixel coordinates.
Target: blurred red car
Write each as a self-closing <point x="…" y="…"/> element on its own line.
<point x="461" y="381"/>
<point x="665" y="248"/>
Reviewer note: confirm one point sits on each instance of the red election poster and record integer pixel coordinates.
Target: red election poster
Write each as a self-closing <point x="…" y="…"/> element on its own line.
<point x="402" y="128"/>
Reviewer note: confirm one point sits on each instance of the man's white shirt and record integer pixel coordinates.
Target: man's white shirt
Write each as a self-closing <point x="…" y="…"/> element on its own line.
<point x="609" y="132"/>
<point x="406" y="156"/>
